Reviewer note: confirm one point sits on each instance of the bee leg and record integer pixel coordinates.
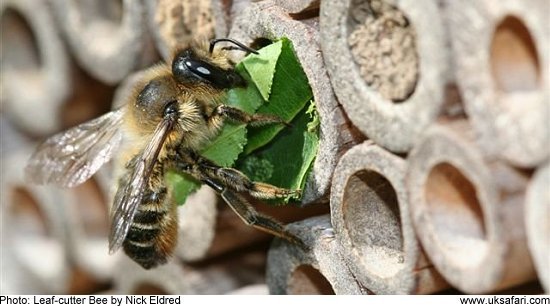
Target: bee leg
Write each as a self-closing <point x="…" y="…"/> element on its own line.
<point x="203" y="169"/>
<point x="237" y="181"/>
<point x="235" y="114"/>
<point x="252" y="217"/>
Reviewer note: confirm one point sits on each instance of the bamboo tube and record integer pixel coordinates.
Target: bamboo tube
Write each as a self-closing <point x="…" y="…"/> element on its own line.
<point x="391" y="88"/>
<point x="370" y="212"/>
<point x="33" y="229"/>
<point x="537" y="220"/>
<point x="319" y="270"/>
<point x="264" y="20"/>
<point x="108" y="38"/>
<point x="468" y="211"/>
<point x="175" y="23"/>
<point x="502" y="55"/>
<point x="34" y="66"/>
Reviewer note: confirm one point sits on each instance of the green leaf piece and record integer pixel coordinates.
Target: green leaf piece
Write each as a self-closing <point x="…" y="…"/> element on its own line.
<point x="286" y="160"/>
<point x="249" y="98"/>
<point x="261" y="67"/>
<point x="225" y="148"/>
<point x="181" y="185"/>
<point x="290" y="92"/>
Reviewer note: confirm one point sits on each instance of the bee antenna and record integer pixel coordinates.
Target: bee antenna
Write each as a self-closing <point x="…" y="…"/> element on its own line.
<point x="240" y="46"/>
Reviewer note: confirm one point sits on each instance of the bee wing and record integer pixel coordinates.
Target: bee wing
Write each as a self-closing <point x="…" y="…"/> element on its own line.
<point x="129" y="196"/>
<point x="71" y="157"/>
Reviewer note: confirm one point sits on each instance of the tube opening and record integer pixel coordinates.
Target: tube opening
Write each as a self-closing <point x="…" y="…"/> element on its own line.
<point x="261" y="42"/>
<point x="34" y="243"/>
<point x="308" y="280"/>
<point x="455" y="214"/>
<point x="20" y="51"/>
<point x="149" y="289"/>
<point x="515" y="65"/>
<point x="372" y="220"/>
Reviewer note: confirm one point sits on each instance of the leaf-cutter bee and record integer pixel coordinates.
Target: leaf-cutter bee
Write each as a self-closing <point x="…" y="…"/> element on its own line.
<point x="174" y="111"/>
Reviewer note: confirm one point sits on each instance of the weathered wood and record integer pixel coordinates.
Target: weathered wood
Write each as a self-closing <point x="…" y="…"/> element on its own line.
<point x="35" y="67"/>
<point x="319" y="270"/>
<point x="537" y="221"/>
<point x="108" y="38"/>
<point x="403" y="98"/>
<point x="370" y="212"/>
<point x="468" y="211"/>
<point x="268" y="21"/>
<point x="502" y="55"/>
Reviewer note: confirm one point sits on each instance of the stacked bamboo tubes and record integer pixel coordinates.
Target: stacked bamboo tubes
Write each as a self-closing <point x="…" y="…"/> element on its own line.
<point x="433" y="163"/>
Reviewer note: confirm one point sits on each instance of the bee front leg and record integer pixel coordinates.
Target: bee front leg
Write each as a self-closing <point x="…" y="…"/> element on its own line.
<point x="250" y="216"/>
<point x="235" y="114"/>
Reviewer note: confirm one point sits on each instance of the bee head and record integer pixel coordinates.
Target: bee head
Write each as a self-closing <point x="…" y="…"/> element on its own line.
<point x="196" y="65"/>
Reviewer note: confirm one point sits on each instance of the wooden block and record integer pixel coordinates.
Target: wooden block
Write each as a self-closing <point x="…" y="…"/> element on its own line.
<point x="391" y="88"/>
<point x="35" y="67"/>
<point x="502" y="58"/>
<point x="264" y="20"/>
<point x="537" y="221"/>
<point x="468" y="211"/>
<point x="320" y="270"/>
<point x="370" y="212"/>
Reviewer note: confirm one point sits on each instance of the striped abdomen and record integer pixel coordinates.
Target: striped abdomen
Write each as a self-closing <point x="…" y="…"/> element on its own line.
<point x="153" y="234"/>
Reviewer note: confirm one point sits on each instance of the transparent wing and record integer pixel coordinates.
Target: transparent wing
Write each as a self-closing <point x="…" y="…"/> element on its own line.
<point x="71" y="157"/>
<point x="130" y="193"/>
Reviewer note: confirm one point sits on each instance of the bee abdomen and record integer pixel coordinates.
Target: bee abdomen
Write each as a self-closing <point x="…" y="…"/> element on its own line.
<point x="151" y="238"/>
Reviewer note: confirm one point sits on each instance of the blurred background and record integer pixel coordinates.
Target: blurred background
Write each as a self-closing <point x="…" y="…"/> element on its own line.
<point x="432" y="174"/>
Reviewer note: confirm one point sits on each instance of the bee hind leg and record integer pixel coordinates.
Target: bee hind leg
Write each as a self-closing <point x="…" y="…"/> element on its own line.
<point x="252" y="217"/>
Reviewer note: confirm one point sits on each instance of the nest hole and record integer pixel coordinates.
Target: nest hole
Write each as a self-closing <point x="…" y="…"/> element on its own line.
<point x="305" y="279"/>
<point x="34" y="243"/>
<point x="515" y="65"/>
<point x="149" y="289"/>
<point x="455" y="214"/>
<point x="372" y="220"/>
<point x="20" y="50"/>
